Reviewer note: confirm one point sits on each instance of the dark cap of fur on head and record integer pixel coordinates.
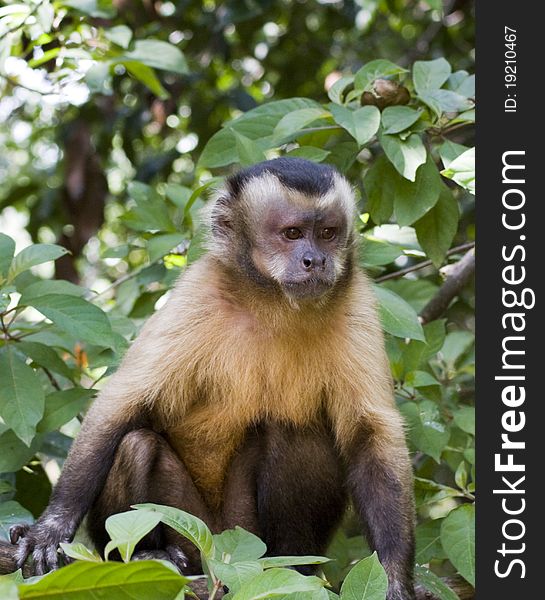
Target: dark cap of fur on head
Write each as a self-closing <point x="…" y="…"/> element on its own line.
<point x="309" y="178"/>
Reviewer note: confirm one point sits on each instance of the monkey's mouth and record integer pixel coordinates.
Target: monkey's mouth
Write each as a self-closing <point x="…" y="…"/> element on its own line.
<point x="311" y="287"/>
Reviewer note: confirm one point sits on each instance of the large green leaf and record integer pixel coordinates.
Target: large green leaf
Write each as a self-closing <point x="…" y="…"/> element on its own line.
<point x="94" y="8"/>
<point x="7" y="250"/>
<point x="147" y="76"/>
<point x="34" y="255"/>
<point x="437" y="228"/>
<point x="79" y="551"/>
<point x="406" y="155"/>
<point x="77" y="317"/>
<point x="127" y="529"/>
<point x="375" y="253"/>
<point x="413" y="200"/>
<point x="398" y="118"/>
<point x="427" y="431"/>
<point x="45" y="356"/>
<point x="292" y="561"/>
<point x="189" y="526"/>
<point x="428" y="542"/>
<point x="11" y="513"/>
<point x="446" y="101"/>
<point x="397" y="316"/>
<point x="21" y="396"/>
<point x="380" y="189"/>
<point x="294" y="121"/>
<point x="430" y="74"/>
<point x="366" y="581"/>
<point x="248" y="151"/>
<point x="376" y="69"/>
<point x="157" y="54"/>
<point x="362" y="124"/>
<point x="275" y="582"/>
<point x="14" y="453"/>
<point x="434" y="584"/>
<point x="458" y="539"/>
<point x="119" y="34"/>
<point x="239" y="545"/>
<point x="49" y="286"/>
<point x="462" y="170"/>
<point x="257" y="124"/>
<point x="234" y="576"/>
<point x="464" y="417"/>
<point x="63" y="405"/>
<point x="107" y="581"/>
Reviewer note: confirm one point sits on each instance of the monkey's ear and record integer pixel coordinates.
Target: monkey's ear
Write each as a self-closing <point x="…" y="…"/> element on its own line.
<point x="221" y="215"/>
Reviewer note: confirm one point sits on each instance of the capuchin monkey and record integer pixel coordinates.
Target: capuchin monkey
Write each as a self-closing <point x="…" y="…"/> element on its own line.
<point x="259" y="395"/>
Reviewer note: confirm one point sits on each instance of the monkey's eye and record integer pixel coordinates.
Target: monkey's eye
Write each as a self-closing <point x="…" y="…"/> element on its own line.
<point x="328" y="233"/>
<point x="292" y="233"/>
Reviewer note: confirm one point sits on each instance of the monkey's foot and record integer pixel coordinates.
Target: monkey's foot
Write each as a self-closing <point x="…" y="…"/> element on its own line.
<point x="171" y="553"/>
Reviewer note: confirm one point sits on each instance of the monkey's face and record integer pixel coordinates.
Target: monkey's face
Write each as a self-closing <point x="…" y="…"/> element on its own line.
<point x="285" y="223"/>
<point x="301" y="246"/>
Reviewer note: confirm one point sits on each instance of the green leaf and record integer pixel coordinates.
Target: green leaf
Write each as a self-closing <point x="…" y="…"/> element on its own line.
<point x="275" y="582"/>
<point x="406" y="155"/>
<point x="49" y="286"/>
<point x="99" y="78"/>
<point x="434" y="584"/>
<point x="397" y="316"/>
<point x="14" y="453"/>
<point x="458" y="539"/>
<point x="239" y="544"/>
<point x="150" y="212"/>
<point x="12" y="513"/>
<point x="94" y="8"/>
<point x="120" y="35"/>
<point x="234" y="576"/>
<point x="462" y="83"/>
<point x="426" y="429"/>
<point x="106" y="581"/>
<point x="336" y="91"/>
<point x="7" y="250"/>
<point x="310" y="153"/>
<point x="362" y="124"/>
<point x="294" y="121"/>
<point x="421" y="379"/>
<point x="77" y="317"/>
<point x="430" y="75"/>
<point x="34" y="255"/>
<point x="46" y="357"/>
<point x="448" y="151"/>
<point x="437" y="228"/>
<point x="187" y="525"/>
<point x="446" y="101"/>
<point x="127" y="529"/>
<point x="257" y="124"/>
<point x="248" y="152"/>
<point x="464" y="417"/>
<point x="399" y="118"/>
<point x="8" y="589"/>
<point x="21" y="396"/>
<point x="157" y="54"/>
<point x="147" y="76"/>
<point x="63" y="405"/>
<point x="462" y="170"/>
<point x="159" y="245"/>
<point x="376" y="253"/>
<point x="428" y="542"/>
<point x="366" y="581"/>
<point x="270" y="562"/>
<point x="78" y="551"/>
<point x="380" y="189"/>
<point x="376" y="69"/>
<point x="413" y="200"/>
<point x="457" y="343"/>
<point x="429" y="492"/>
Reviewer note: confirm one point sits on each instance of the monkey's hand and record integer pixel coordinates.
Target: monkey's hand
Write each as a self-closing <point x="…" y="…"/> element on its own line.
<point x="42" y="540"/>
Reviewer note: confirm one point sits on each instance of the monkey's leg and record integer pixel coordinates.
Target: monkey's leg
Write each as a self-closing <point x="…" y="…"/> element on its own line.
<point x="146" y="469"/>
<point x="380" y="480"/>
<point x="300" y="490"/>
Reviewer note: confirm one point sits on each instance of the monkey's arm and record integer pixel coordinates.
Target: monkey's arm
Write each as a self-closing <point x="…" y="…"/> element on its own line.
<point x="124" y="405"/>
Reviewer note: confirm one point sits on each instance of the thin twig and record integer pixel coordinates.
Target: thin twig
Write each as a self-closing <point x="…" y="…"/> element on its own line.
<point x="52" y="379"/>
<point x="423" y="264"/>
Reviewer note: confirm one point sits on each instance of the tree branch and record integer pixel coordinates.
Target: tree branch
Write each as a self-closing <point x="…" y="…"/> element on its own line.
<point x="458" y="276"/>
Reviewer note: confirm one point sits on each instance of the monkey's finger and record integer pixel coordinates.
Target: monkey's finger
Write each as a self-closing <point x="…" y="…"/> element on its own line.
<point x="177" y="557"/>
<point x="51" y="558"/>
<point x="24" y="548"/>
<point x="18" y="531"/>
<point x="40" y="567"/>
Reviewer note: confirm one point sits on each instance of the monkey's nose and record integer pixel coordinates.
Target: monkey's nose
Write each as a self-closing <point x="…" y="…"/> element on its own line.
<point x="311" y="261"/>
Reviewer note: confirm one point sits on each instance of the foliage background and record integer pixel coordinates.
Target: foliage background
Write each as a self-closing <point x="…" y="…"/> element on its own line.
<point x="114" y="120"/>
